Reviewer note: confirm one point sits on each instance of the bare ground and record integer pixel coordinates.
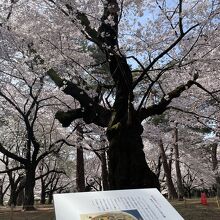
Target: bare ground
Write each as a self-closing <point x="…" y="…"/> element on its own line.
<point x="189" y="209"/>
<point x="193" y="210"/>
<point x="41" y="213"/>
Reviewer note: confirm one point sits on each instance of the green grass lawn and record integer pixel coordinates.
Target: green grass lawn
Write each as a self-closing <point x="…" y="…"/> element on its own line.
<point x="190" y="210"/>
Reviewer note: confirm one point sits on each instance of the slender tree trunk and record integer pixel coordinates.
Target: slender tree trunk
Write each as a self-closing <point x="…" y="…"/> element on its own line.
<point x="13" y="185"/>
<point x="189" y="193"/>
<point x="172" y="194"/>
<point x="13" y="197"/>
<point x="80" y="176"/>
<point x="20" y="198"/>
<point x="20" y="191"/>
<point x="1" y="198"/>
<point x="50" y="197"/>
<point x="218" y="186"/>
<point x="1" y="193"/>
<point x="105" y="184"/>
<point x="215" y="167"/>
<point x="29" y="189"/>
<point x="177" y="165"/>
<point x="159" y="165"/>
<point x="43" y="194"/>
<point x="170" y="162"/>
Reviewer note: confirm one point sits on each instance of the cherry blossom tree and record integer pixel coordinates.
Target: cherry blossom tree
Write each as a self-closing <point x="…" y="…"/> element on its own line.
<point x="4" y="186"/>
<point x="125" y="119"/>
<point x="148" y="46"/>
<point x="52" y="178"/>
<point x="30" y="134"/>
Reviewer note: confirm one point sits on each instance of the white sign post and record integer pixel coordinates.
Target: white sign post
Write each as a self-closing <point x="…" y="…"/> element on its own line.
<point x="137" y="204"/>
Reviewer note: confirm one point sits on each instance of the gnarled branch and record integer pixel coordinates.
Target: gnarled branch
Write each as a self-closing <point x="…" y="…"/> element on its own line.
<point x="90" y="111"/>
<point x="159" y="108"/>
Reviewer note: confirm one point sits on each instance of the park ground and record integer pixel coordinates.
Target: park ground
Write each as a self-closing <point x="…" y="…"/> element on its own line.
<point x="193" y="210"/>
<point x="189" y="209"/>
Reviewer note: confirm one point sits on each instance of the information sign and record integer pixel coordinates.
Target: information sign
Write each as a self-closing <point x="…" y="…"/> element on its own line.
<point x="137" y="204"/>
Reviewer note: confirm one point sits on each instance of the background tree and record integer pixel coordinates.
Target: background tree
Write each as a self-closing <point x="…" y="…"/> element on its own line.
<point x="172" y="194"/>
<point x="3" y="189"/>
<point x="23" y="100"/>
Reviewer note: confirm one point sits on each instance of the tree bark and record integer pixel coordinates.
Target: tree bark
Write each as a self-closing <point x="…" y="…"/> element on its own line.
<point x="20" y="197"/>
<point x="20" y="191"/>
<point x="13" y="189"/>
<point x="177" y="165"/>
<point x="214" y="148"/>
<point x="1" y="200"/>
<point x="105" y="183"/>
<point x="172" y="194"/>
<point x="218" y="186"/>
<point x="1" y="193"/>
<point x="43" y="194"/>
<point x="80" y="174"/>
<point x="188" y="191"/>
<point x="29" y="188"/>
<point x="127" y="165"/>
<point x="159" y="165"/>
<point x="13" y="197"/>
<point x="50" y="197"/>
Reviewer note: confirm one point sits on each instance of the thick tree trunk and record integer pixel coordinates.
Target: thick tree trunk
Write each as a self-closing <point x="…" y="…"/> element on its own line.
<point x="29" y="189"/>
<point x="127" y="165"/>
<point x="177" y="165"/>
<point x="172" y="194"/>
